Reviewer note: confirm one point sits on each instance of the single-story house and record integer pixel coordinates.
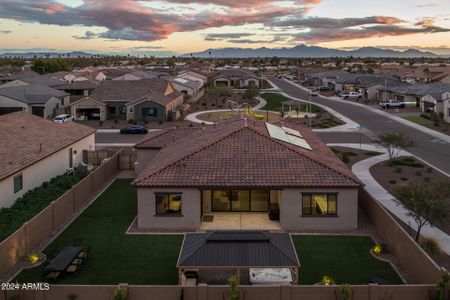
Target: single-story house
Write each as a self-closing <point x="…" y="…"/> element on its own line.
<point x="195" y="76"/>
<point x="236" y="79"/>
<point x="78" y="89"/>
<point x="34" y="150"/>
<point x="413" y="93"/>
<point x="16" y="76"/>
<point x="244" y="166"/>
<point x="39" y="79"/>
<point x="185" y="85"/>
<point x="254" y="257"/>
<point x="439" y="103"/>
<point x="137" y="75"/>
<point x="37" y="99"/>
<point x="152" y="100"/>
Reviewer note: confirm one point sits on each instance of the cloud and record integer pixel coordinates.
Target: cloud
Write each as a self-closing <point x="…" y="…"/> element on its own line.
<point x="87" y="36"/>
<point x="224" y="36"/>
<point x="146" y="48"/>
<point x="302" y="22"/>
<point x="5" y="31"/>
<point x="240" y="3"/>
<point x="425" y="5"/>
<point x="425" y="22"/>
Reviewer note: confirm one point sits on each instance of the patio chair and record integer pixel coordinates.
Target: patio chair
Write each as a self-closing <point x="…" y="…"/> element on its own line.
<point x="84" y="253"/>
<point x="53" y="275"/>
<point x="72" y="269"/>
<point x="77" y="261"/>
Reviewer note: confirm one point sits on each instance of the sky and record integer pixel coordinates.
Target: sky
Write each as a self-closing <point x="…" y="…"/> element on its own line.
<point x="179" y="26"/>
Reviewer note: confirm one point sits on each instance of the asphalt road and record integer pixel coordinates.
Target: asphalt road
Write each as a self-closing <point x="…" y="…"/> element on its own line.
<point x="434" y="151"/>
<point x="115" y="138"/>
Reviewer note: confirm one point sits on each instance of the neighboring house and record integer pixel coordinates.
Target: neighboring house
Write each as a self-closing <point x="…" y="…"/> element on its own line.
<point x="34" y="150"/>
<point x="185" y="85"/>
<point x="37" y="99"/>
<point x="244" y="166"/>
<point x="137" y="75"/>
<point x="39" y="79"/>
<point x="19" y="75"/>
<point x="195" y="76"/>
<point x="78" y="89"/>
<point x="437" y="102"/>
<point x="236" y="79"/>
<point x="413" y="93"/>
<point x="213" y="257"/>
<point x="152" y="100"/>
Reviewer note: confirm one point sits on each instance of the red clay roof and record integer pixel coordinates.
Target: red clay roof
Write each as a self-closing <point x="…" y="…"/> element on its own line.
<point x="242" y="154"/>
<point x="26" y="139"/>
<point x="161" y="139"/>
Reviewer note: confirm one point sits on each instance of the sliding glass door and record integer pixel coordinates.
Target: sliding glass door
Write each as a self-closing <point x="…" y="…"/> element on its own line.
<point x="240" y="200"/>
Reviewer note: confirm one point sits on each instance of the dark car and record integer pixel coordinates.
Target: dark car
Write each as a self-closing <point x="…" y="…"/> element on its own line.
<point x="134" y="129"/>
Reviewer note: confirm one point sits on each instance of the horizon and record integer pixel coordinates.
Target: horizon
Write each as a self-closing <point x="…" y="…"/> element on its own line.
<point x="175" y="27"/>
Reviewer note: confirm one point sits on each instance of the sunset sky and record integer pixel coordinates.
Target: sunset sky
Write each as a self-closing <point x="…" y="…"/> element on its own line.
<point x="182" y="26"/>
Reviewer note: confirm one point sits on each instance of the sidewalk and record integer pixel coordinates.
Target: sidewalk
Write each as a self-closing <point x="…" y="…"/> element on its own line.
<point x="429" y="131"/>
<point x="361" y="170"/>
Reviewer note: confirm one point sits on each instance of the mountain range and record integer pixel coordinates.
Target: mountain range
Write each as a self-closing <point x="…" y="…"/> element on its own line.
<point x="44" y="54"/>
<point x="310" y="51"/>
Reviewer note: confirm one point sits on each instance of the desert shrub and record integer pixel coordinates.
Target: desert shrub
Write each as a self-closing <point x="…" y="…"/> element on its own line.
<point x="392" y="181"/>
<point x="404" y="178"/>
<point x="430" y="246"/>
<point x="398" y="170"/>
<point x="418" y="173"/>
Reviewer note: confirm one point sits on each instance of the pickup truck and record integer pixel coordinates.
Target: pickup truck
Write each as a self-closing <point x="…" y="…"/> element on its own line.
<point x="351" y="95"/>
<point x="392" y="104"/>
<point x="314" y="93"/>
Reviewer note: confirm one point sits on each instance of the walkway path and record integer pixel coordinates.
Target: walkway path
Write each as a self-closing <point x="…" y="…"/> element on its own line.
<point x="193" y="116"/>
<point x="361" y="170"/>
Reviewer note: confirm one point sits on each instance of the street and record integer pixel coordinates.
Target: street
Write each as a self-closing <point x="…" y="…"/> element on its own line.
<point x="434" y="151"/>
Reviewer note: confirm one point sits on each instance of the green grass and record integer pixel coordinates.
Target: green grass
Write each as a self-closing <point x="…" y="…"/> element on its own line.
<point x="274" y="103"/>
<point x="346" y="259"/>
<point x="419" y="120"/>
<point x="407" y="161"/>
<point x="34" y="201"/>
<point x="115" y="257"/>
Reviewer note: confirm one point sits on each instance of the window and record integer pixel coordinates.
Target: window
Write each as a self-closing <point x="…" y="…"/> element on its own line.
<point x="70" y="158"/>
<point x="168" y="203"/>
<point x="149" y="112"/>
<point x="18" y="183"/>
<point x="319" y="204"/>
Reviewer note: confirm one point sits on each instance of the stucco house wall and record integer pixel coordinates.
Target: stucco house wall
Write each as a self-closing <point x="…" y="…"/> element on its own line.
<point x="88" y="103"/>
<point x="8" y="102"/>
<point x="190" y="217"/>
<point x="291" y="217"/>
<point x="44" y="170"/>
<point x="144" y="156"/>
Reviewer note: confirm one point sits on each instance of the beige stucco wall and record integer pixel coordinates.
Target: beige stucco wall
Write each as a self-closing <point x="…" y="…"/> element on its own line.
<point x="88" y="103"/>
<point x="36" y="174"/>
<point x="8" y="102"/>
<point x="144" y="156"/>
<point x="291" y="210"/>
<point x="190" y="210"/>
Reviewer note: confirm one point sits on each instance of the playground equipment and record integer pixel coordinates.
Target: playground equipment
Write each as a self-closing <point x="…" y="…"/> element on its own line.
<point x="249" y="111"/>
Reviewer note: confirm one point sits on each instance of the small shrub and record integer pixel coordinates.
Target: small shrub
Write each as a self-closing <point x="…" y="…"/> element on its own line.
<point x="336" y="151"/>
<point x="430" y="246"/>
<point x="408" y="159"/>
<point x="418" y="173"/>
<point x="100" y="123"/>
<point x="404" y="178"/>
<point x="72" y="296"/>
<point x="371" y="153"/>
<point x="392" y="181"/>
<point x="161" y="122"/>
<point x="430" y="170"/>
<point x="345" y="158"/>
<point x="234" y="292"/>
<point x="427" y="179"/>
<point x="398" y="170"/>
<point x="346" y="292"/>
<point x="119" y="294"/>
<point x="130" y="121"/>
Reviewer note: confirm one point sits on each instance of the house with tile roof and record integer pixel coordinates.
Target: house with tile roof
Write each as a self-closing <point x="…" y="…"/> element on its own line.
<point x="37" y="99"/>
<point x="236" y="79"/>
<point x="244" y="166"/>
<point x="146" y="99"/>
<point x="438" y="101"/>
<point x="34" y="150"/>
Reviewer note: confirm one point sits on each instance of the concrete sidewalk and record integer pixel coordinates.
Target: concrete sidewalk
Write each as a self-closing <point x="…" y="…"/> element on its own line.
<point x="429" y="131"/>
<point x="361" y="170"/>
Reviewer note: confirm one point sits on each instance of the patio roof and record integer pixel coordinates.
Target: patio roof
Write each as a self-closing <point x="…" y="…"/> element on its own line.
<point x="238" y="248"/>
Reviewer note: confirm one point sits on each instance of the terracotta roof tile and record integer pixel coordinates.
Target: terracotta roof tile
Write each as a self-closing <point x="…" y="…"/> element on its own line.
<point x="161" y="139"/>
<point x="242" y="154"/>
<point x="26" y="139"/>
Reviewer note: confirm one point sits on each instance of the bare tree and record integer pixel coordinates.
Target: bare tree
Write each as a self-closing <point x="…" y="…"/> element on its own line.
<point x="427" y="203"/>
<point x="394" y="143"/>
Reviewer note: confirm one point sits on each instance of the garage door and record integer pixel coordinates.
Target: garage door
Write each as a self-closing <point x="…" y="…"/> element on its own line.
<point x="88" y="113"/>
<point x="7" y="110"/>
<point x="38" y="111"/>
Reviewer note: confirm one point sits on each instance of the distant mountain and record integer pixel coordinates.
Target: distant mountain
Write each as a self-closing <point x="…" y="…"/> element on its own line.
<point x="310" y="51"/>
<point x="44" y="54"/>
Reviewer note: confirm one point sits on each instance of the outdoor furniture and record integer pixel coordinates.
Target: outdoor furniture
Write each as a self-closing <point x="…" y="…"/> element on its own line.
<point x="63" y="259"/>
<point x="53" y="275"/>
<point x="72" y="269"/>
<point x="77" y="261"/>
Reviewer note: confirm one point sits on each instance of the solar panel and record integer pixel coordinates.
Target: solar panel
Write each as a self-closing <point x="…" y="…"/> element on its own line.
<point x="287" y="135"/>
<point x="291" y="131"/>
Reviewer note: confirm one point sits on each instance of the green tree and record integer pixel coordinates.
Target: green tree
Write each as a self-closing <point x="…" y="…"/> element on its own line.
<point x="251" y="92"/>
<point x="427" y="203"/>
<point x="50" y="65"/>
<point x="234" y="292"/>
<point x="394" y="142"/>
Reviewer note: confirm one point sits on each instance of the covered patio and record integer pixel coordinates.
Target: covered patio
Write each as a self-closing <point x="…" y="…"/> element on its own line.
<point x="238" y="221"/>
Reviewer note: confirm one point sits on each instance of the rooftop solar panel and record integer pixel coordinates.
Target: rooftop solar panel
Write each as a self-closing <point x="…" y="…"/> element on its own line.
<point x="287" y="135"/>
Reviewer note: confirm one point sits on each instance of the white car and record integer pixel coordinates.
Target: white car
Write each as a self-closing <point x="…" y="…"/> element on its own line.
<point x="62" y="118"/>
<point x="351" y="95"/>
<point x="314" y="93"/>
<point x="392" y="104"/>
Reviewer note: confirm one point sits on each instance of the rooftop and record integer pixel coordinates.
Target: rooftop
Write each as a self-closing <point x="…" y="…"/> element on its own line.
<point x="242" y="154"/>
<point x="31" y="94"/>
<point x="26" y="139"/>
<point x="238" y="248"/>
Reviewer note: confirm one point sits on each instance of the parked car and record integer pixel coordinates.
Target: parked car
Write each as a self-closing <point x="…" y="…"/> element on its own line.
<point x="351" y="95"/>
<point x="314" y="93"/>
<point x="62" y="118"/>
<point x="324" y="88"/>
<point x="134" y="129"/>
<point x="392" y="104"/>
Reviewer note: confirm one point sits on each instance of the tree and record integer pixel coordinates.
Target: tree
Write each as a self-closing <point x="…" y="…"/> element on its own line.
<point x="234" y="291"/>
<point x="394" y="143"/>
<point x="427" y="203"/>
<point x="251" y="92"/>
<point x="50" y="65"/>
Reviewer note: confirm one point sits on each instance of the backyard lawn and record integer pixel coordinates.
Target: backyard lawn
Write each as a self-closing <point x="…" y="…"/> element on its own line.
<point x="274" y="103"/>
<point x="346" y="259"/>
<point x="115" y="257"/>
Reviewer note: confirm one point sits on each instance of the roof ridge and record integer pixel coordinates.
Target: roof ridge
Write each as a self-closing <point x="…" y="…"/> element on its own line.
<point x="199" y="245"/>
<point x="280" y="249"/>
<point x="155" y="136"/>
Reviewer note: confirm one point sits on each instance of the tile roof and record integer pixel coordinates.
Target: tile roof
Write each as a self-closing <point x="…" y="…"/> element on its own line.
<point x="31" y="94"/>
<point x="241" y="154"/>
<point x="79" y="85"/>
<point x="161" y="139"/>
<point x="43" y="80"/>
<point x="27" y="139"/>
<point x="238" y="248"/>
<point x="131" y="90"/>
<point x="235" y="73"/>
